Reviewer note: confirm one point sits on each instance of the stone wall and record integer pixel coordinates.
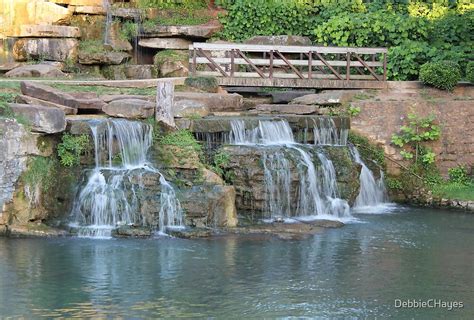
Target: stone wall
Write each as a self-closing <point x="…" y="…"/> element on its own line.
<point x="383" y="112"/>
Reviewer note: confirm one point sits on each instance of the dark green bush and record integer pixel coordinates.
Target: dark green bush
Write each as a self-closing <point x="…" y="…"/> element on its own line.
<point x="442" y="75"/>
<point x="470" y="72"/>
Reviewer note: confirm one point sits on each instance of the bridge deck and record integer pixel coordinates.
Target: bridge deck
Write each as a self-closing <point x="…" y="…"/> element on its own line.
<point x="290" y="66"/>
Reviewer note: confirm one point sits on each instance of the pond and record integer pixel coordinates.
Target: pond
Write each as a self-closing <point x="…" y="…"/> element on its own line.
<point x="353" y="272"/>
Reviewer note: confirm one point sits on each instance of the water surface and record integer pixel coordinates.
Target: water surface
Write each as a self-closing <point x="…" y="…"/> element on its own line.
<point x="353" y="272"/>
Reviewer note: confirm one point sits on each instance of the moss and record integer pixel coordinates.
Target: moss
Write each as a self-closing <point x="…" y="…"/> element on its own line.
<point x="170" y="55"/>
<point x="40" y="172"/>
<point x="208" y="84"/>
<point x="92" y="46"/>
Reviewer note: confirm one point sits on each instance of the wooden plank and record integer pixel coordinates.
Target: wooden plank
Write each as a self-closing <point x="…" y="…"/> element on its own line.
<point x="290" y="65"/>
<point x="213" y="63"/>
<point x="320" y="57"/>
<point x="280" y="62"/>
<point x="279" y="75"/>
<point x="285" y="49"/>
<point x="372" y="72"/>
<point x="250" y="63"/>
<point x="271" y="65"/>
<point x="348" y="66"/>
<point x="310" y="65"/>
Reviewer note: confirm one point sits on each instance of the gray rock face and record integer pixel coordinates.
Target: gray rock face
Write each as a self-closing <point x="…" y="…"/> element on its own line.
<point x="56" y="49"/>
<point x="186" y="108"/>
<point x="36" y="71"/>
<point x="324" y="98"/>
<point x="47" y="93"/>
<point x="282" y="40"/>
<point x="205" y="31"/>
<point x="41" y="119"/>
<point x="214" y="101"/>
<point x="130" y="108"/>
<point x="30" y="100"/>
<point x="112" y="57"/>
<point x="165" y="43"/>
<point x="49" y="31"/>
<point x="140" y="71"/>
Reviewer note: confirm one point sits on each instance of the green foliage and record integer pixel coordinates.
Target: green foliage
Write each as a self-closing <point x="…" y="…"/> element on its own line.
<point x="208" y="84"/>
<point x="411" y="138"/>
<point x="92" y="46"/>
<point x="173" y="4"/>
<point x="71" y="148"/>
<point x="169" y="55"/>
<point x="5" y="98"/>
<point x="454" y="191"/>
<point x="353" y="111"/>
<point x="393" y="183"/>
<point x="458" y="175"/>
<point x="40" y="173"/>
<point x="367" y="150"/>
<point x="442" y="75"/>
<point x="470" y="72"/>
<point x="221" y="160"/>
<point x="181" y="138"/>
<point x="128" y="30"/>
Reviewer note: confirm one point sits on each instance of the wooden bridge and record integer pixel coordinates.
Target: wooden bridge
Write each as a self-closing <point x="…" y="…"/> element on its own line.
<point x="290" y="66"/>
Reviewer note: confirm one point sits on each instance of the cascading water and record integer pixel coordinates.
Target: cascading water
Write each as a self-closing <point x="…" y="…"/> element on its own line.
<point x="372" y="192"/>
<point x="317" y="192"/>
<point x="326" y="132"/>
<point x="108" y="20"/>
<point x="107" y="200"/>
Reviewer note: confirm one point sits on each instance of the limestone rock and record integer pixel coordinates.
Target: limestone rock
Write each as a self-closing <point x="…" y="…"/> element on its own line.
<point x="90" y="10"/>
<point x="115" y="41"/>
<point x="127" y="13"/>
<point x="324" y="98"/>
<point x="48" y="93"/>
<point x="132" y="232"/>
<point x="287" y="96"/>
<point x="130" y="108"/>
<point x="41" y="119"/>
<point x="205" y="31"/>
<point x="34" y="230"/>
<point x="211" y="177"/>
<point x="140" y="71"/>
<point x="172" y="63"/>
<point x="287" y="108"/>
<point x="188" y="108"/>
<point x="108" y="58"/>
<point x="7" y="66"/>
<point x="214" y="101"/>
<point x="282" y="40"/>
<point x="48" y="31"/>
<point x="165" y="43"/>
<point x="56" y="49"/>
<point x="112" y="97"/>
<point x="35" y="70"/>
<point x="80" y="2"/>
<point x="34" y="101"/>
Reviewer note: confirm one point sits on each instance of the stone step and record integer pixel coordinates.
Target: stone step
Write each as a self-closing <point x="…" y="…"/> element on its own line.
<point x="48" y="31"/>
<point x="30" y="100"/>
<point x="165" y="43"/>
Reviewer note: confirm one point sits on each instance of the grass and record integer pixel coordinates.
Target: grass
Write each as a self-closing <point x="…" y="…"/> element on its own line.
<point x="92" y="46"/>
<point x="102" y="90"/>
<point x="455" y="191"/>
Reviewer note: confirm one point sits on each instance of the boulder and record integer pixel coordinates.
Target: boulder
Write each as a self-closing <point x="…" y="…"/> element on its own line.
<point x="108" y="58"/>
<point x="165" y="43"/>
<point x="130" y="108"/>
<point x="35" y="71"/>
<point x="324" y="98"/>
<point x="287" y="108"/>
<point x="172" y="63"/>
<point x="189" y="108"/>
<point x="170" y="69"/>
<point x="90" y="10"/>
<point x="40" y="118"/>
<point x="48" y="31"/>
<point x="214" y="101"/>
<point x="140" y="71"/>
<point x="7" y="66"/>
<point x="282" y="40"/>
<point x="114" y="40"/>
<point x="48" y="93"/>
<point x="56" y="49"/>
<point x="287" y="96"/>
<point x="30" y="100"/>
<point x="205" y="31"/>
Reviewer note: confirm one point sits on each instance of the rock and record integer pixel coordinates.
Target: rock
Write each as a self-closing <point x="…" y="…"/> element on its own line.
<point x="113" y="72"/>
<point x="188" y="108"/>
<point x="34" y="101"/>
<point x="112" y="57"/>
<point x="130" y="108"/>
<point x="112" y="97"/>
<point x="80" y="2"/>
<point x="91" y="26"/>
<point x="41" y="119"/>
<point x="287" y="96"/>
<point x="140" y="71"/>
<point x="7" y="66"/>
<point x="190" y="233"/>
<point x="165" y="43"/>
<point x="79" y="124"/>
<point x="90" y="10"/>
<point x="35" y="71"/>
<point x="172" y="63"/>
<point x="34" y="230"/>
<point x="47" y="93"/>
<point x="213" y="101"/>
<point x="131" y="232"/>
<point x="56" y="49"/>
<point x="282" y="40"/>
<point x="171" y="69"/>
<point x="205" y="31"/>
<point x="287" y="108"/>
<point x="49" y="31"/>
<point x="127" y="13"/>
<point x="114" y="41"/>
<point x="324" y="98"/>
<point x="211" y="177"/>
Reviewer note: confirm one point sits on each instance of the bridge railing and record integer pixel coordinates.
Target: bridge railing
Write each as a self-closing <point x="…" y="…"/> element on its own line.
<point x="288" y="62"/>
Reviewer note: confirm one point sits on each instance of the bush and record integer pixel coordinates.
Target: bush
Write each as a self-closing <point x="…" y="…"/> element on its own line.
<point x="442" y="75"/>
<point x="71" y="148"/>
<point x="458" y="175"/>
<point x="470" y="72"/>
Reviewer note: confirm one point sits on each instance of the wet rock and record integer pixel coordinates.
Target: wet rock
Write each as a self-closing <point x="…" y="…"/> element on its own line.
<point x="211" y="177"/>
<point x="140" y="71"/>
<point x="198" y="31"/>
<point x="41" y="119"/>
<point x="214" y="101"/>
<point x="165" y="43"/>
<point x="56" y="49"/>
<point x="324" y="98"/>
<point x="78" y="124"/>
<point x="187" y="108"/>
<point x="34" y="230"/>
<point x="35" y="71"/>
<point x="132" y="232"/>
<point x="130" y="108"/>
<point x="48" y="31"/>
<point x="108" y="58"/>
<point x="282" y="40"/>
<point x="190" y="233"/>
<point x="30" y="100"/>
<point x="287" y="108"/>
<point x="115" y="41"/>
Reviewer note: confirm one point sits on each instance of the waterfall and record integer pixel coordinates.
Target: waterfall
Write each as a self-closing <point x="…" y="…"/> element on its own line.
<point x="317" y="194"/>
<point x="107" y="200"/>
<point x="326" y="132"/>
<point x="108" y="20"/>
<point x="372" y="192"/>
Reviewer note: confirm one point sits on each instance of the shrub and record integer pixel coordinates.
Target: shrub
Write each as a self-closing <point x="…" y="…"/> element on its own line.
<point x="458" y="175"/>
<point x="443" y="75"/>
<point x="470" y="72"/>
<point x="71" y="148"/>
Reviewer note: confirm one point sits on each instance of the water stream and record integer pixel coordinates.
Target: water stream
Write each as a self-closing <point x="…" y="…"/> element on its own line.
<point x="107" y="200"/>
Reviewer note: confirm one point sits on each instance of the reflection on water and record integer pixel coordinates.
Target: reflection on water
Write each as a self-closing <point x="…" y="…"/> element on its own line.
<point x="356" y="271"/>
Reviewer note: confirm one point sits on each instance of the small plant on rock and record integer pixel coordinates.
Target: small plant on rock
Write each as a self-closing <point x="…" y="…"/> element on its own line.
<point x="442" y="75"/>
<point x="458" y="175"/>
<point x="71" y="148"/>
